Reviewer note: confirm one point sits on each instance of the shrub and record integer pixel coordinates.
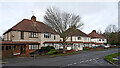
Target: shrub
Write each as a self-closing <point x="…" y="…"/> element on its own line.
<point x="86" y="48"/>
<point x="48" y="48"/>
<point x="43" y="49"/>
<point x="52" y="51"/>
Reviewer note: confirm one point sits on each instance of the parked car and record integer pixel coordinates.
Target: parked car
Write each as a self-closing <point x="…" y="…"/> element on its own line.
<point x="113" y="45"/>
<point x="43" y="50"/>
<point x="105" y="46"/>
<point x="37" y="52"/>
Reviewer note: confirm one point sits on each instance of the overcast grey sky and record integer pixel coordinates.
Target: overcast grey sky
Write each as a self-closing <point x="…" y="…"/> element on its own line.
<point x="95" y="15"/>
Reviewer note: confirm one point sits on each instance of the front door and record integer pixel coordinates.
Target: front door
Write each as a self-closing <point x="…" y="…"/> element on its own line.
<point x="23" y="47"/>
<point x="21" y="50"/>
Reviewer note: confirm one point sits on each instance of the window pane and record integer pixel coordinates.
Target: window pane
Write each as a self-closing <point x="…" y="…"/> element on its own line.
<point x="2" y="47"/>
<point x="22" y="35"/>
<point x="30" y="47"/>
<point x="35" y="46"/>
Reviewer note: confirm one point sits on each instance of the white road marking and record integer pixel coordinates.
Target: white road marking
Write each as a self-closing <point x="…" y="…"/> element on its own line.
<point x="90" y="60"/>
<point x="70" y="64"/>
<point x="74" y="63"/>
<point x="82" y="61"/>
<point x="97" y="58"/>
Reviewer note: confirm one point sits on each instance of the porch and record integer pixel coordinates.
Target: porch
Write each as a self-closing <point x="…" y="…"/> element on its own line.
<point x="10" y="48"/>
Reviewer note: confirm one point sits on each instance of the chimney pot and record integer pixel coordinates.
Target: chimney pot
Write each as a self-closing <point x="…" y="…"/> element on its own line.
<point x="33" y="18"/>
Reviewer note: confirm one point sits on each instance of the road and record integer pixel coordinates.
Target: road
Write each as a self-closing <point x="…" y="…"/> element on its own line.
<point x="85" y="58"/>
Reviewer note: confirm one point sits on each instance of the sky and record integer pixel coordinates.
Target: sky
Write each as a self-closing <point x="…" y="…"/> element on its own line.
<point x="95" y="15"/>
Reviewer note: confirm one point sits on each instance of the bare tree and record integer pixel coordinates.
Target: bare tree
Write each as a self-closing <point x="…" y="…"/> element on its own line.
<point x="99" y="31"/>
<point x="111" y="33"/>
<point x="61" y="21"/>
<point x="111" y="28"/>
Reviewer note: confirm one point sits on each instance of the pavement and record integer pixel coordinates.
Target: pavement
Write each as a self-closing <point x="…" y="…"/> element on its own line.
<point x="85" y="58"/>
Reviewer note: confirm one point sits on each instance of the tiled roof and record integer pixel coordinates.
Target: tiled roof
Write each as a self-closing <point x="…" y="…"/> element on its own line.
<point x="29" y="25"/>
<point x="16" y="42"/>
<point x="75" y="32"/>
<point x="93" y="34"/>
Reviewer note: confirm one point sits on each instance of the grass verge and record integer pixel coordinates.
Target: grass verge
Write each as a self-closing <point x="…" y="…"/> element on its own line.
<point x="61" y="54"/>
<point x="111" y="56"/>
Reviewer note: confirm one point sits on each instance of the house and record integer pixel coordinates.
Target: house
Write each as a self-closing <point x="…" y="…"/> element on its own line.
<point x="76" y="40"/>
<point x="27" y="34"/>
<point x="97" y="38"/>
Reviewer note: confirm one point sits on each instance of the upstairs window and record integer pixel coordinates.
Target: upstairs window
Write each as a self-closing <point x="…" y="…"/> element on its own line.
<point x="33" y="35"/>
<point x="99" y="39"/>
<point x="79" y="38"/>
<point x="22" y="35"/>
<point x="103" y="40"/>
<point x="85" y="38"/>
<point x="47" y="35"/>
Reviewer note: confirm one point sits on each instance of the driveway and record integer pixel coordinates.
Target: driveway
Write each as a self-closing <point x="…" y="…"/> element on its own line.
<point x="85" y="58"/>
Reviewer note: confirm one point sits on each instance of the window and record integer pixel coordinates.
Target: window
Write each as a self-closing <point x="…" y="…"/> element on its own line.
<point x="75" y="38"/>
<point x="54" y="37"/>
<point x="79" y="38"/>
<point x="35" y="46"/>
<point x="32" y="47"/>
<point x="33" y="35"/>
<point x="8" y="47"/>
<point x="47" y="35"/>
<point x="99" y="39"/>
<point x="85" y="38"/>
<point x="103" y="40"/>
<point x="22" y="35"/>
<point x="78" y="45"/>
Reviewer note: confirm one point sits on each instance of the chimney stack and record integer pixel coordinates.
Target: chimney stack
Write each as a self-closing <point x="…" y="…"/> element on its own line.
<point x="33" y="18"/>
<point x="94" y="31"/>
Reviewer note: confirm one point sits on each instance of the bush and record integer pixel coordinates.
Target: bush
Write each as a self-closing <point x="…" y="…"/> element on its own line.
<point x="52" y="51"/>
<point x="48" y="48"/>
<point x="43" y="49"/>
<point x="86" y="48"/>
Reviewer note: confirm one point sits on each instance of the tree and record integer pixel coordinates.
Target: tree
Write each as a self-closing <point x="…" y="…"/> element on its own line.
<point x="99" y="31"/>
<point x="111" y="33"/>
<point x="111" y="28"/>
<point x="61" y="21"/>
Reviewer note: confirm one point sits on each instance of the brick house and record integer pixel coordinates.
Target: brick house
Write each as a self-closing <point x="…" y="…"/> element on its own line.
<point x="27" y="36"/>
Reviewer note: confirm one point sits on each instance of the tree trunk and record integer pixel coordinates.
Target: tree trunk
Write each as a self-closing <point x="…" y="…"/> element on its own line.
<point x="64" y="46"/>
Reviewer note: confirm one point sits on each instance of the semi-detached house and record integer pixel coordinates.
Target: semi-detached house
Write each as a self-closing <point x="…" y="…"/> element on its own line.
<point x="27" y="36"/>
<point x="76" y="40"/>
<point x="97" y="38"/>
